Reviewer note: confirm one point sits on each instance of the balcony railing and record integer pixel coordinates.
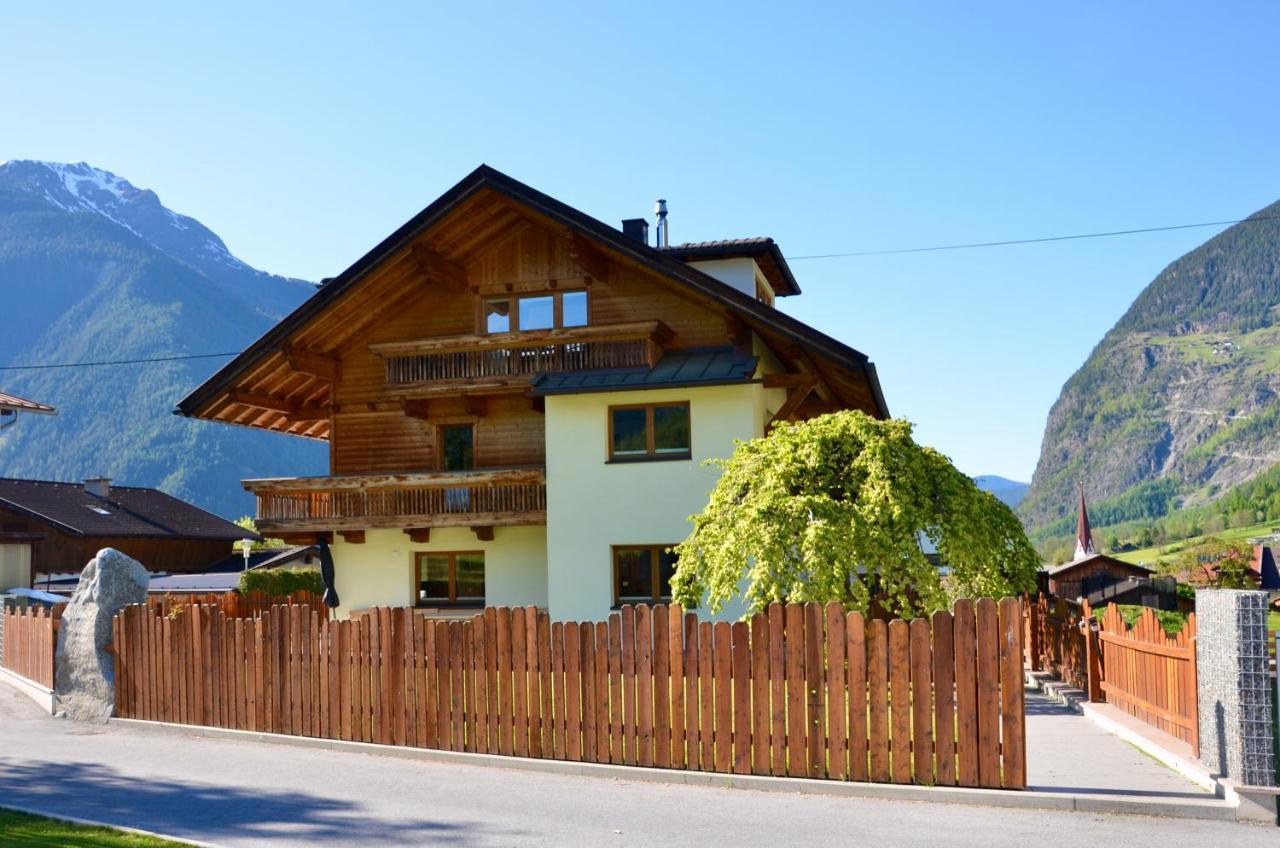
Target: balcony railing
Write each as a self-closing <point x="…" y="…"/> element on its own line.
<point x="523" y="354"/>
<point x="427" y="499"/>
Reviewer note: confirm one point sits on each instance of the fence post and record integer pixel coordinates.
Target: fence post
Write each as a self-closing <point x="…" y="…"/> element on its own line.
<point x="1092" y="661"/>
<point x="1033" y="628"/>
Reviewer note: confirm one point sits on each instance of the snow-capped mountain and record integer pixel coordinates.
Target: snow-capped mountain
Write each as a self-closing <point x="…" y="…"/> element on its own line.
<point x="94" y="269"/>
<point x="83" y="189"/>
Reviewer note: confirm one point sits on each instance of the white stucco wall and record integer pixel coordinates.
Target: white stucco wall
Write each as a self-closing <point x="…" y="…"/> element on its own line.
<point x="742" y="273"/>
<point x="379" y="572"/>
<point x="593" y="505"/>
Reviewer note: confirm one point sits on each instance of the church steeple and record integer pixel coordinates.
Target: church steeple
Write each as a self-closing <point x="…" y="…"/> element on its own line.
<point x="1084" y="536"/>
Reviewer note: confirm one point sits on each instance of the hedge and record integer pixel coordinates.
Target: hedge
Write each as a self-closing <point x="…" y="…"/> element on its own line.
<point x="282" y="581"/>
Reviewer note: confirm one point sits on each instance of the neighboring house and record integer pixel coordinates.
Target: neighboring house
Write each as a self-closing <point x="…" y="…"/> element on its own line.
<point x="519" y="400"/>
<point x="11" y="405"/>
<point x="1090" y="573"/>
<point x="224" y="575"/>
<point x="51" y="528"/>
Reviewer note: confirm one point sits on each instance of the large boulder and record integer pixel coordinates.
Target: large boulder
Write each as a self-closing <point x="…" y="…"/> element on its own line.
<point x="85" y="671"/>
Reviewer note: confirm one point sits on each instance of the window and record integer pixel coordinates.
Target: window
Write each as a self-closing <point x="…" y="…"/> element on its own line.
<point x="534" y="312"/>
<point x="642" y="574"/>
<point x="649" y="431"/>
<point x="450" y="579"/>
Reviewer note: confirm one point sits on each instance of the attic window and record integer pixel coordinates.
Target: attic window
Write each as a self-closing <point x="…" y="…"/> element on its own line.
<point x="97" y="509"/>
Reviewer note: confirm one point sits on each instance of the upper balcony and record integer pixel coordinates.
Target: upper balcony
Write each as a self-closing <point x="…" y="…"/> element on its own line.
<point x="352" y="502"/>
<point x="521" y="355"/>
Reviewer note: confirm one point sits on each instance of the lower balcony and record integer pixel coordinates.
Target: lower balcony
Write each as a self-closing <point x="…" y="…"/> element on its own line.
<point x="479" y="499"/>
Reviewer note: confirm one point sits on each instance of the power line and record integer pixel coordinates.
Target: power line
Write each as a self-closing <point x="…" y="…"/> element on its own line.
<point x="45" y="366"/>
<point x="1032" y="240"/>
<point x="935" y="248"/>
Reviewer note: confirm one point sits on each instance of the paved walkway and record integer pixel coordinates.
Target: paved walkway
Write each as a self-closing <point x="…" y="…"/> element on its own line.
<point x="1066" y="752"/>
<point x="242" y="793"/>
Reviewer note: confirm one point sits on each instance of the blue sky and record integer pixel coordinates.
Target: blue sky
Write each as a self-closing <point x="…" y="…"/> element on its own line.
<point x="304" y="134"/>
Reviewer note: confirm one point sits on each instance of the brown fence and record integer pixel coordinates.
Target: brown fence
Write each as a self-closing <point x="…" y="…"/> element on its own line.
<point x="802" y="690"/>
<point x="1150" y="675"/>
<point x="1055" y="641"/>
<point x="236" y="604"/>
<point x="30" y="639"/>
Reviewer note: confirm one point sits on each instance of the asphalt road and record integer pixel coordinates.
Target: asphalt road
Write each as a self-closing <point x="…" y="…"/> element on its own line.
<point x="241" y="793"/>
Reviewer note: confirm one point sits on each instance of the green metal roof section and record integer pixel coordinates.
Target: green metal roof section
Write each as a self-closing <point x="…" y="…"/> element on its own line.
<point x="700" y="367"/>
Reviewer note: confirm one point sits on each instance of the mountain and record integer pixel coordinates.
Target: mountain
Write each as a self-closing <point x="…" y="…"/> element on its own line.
<point x="93" y="268"/>
<point x="1010" y="491"/>
<point x="1180" y="401"/>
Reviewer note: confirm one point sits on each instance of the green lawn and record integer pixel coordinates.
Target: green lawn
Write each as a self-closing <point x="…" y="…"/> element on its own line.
<point x="22" y="829"/>
<point x="1162" y="553"/>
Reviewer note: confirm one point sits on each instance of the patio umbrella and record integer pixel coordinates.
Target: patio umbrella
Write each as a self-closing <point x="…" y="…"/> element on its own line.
<point x="326" y="575"/>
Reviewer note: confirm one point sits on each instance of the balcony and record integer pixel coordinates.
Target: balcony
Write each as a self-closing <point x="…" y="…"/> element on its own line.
<point x="482" y="498"/>
<point x="521" y="355"/>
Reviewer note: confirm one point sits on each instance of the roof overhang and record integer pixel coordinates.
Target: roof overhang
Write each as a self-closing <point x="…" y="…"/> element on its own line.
<point x="764" y="319"/>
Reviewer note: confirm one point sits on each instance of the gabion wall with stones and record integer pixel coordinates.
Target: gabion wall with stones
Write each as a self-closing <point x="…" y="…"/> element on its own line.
<point x="1235" y="685"/>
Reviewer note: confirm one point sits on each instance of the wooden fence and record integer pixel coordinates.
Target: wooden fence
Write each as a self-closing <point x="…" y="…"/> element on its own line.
<point x="801" y="690"/>
<point x="236" y="604"/>
<point x="1056" y="643"/>
<point x="30" y="639"/>
<point x="1150" y="675"/>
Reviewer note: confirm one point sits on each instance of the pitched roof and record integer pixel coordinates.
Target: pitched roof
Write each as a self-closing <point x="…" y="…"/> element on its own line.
<point x="762" y="249"/>
<point x="13" y="403"/>
<point x="753" y="312"/>
<point x="707" y="367"/>
<point x="127" y="511"/>
<point x="1055" y="570"/>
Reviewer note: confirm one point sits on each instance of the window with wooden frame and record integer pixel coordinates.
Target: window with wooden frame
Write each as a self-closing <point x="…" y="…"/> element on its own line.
<point x="541" y="311"/>
<point x="649" y="431"/>
<point x="642" y="574"/>
<point x="449" y="579"/>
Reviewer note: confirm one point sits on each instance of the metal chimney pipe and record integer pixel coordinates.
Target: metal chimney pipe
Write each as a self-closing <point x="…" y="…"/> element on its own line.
<point x="660" y="210"/>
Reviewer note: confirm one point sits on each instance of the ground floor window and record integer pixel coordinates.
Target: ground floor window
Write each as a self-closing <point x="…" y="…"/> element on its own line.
<point x="642" y="574"/>
<point x="450" y="578"/>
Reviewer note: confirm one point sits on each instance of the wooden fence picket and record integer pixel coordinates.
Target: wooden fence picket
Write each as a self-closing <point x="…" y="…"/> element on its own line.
<point x="800" y="690"/>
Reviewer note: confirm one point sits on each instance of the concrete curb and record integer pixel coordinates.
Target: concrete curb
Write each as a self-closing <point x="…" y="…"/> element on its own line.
<point x="1027" y="800"/>
<point x="43" y="697"/>
<point x="1256" y="806"/>
<point x="31" y="811"/>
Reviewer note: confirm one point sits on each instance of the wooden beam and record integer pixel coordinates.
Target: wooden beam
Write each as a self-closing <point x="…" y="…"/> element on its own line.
<point x="655" y="330"/>
<point x="795" y="397"/>
<point x="436" y="266"/>
<point x="309" y="528"/>
<point x="322" y="366"/>
<point x="484" y="533"/>
<point x="419" y="408"/>
<point x="475" y="404"/>
<point x="304" y="537"/>
<point x="415" y="479"/>
<point x="354" y="537"/>
<point x="806" y="364"/>
<point x="420" y="535"/>
<point x="294" y="411"/>
<point x="586" y="256"/>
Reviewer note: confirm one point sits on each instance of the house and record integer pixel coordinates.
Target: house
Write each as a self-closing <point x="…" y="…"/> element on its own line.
<point x="519" y="401"/>
<point x="11" y="405"/>
<point x="220" y="577"/>
<point x="1089" y="573"/>
<point x="49" y="528"/>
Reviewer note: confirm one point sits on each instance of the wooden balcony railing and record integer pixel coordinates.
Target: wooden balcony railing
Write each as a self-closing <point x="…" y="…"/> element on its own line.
<point x="523" y="354"/>
<point x="427" y="499"/>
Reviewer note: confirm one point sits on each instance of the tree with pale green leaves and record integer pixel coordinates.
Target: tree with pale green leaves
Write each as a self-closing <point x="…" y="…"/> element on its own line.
<point x="835" y="509"/>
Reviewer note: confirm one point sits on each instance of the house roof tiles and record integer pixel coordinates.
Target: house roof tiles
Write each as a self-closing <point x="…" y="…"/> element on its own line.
<point x="701" y="367"/>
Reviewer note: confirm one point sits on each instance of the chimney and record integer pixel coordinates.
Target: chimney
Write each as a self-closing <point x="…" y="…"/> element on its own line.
<point x="99" y="487"/>
<point x="636" y="228"/>
<point x="664" y="236"/>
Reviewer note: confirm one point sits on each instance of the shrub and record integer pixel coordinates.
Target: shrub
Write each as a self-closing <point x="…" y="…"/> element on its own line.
<point x="282" y="581"/>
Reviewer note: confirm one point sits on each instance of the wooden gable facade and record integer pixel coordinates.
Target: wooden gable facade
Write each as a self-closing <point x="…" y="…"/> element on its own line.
<point x="381" y="360"/>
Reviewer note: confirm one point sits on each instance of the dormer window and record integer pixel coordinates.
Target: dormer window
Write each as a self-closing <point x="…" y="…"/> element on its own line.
<point x="543" y="311"/>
